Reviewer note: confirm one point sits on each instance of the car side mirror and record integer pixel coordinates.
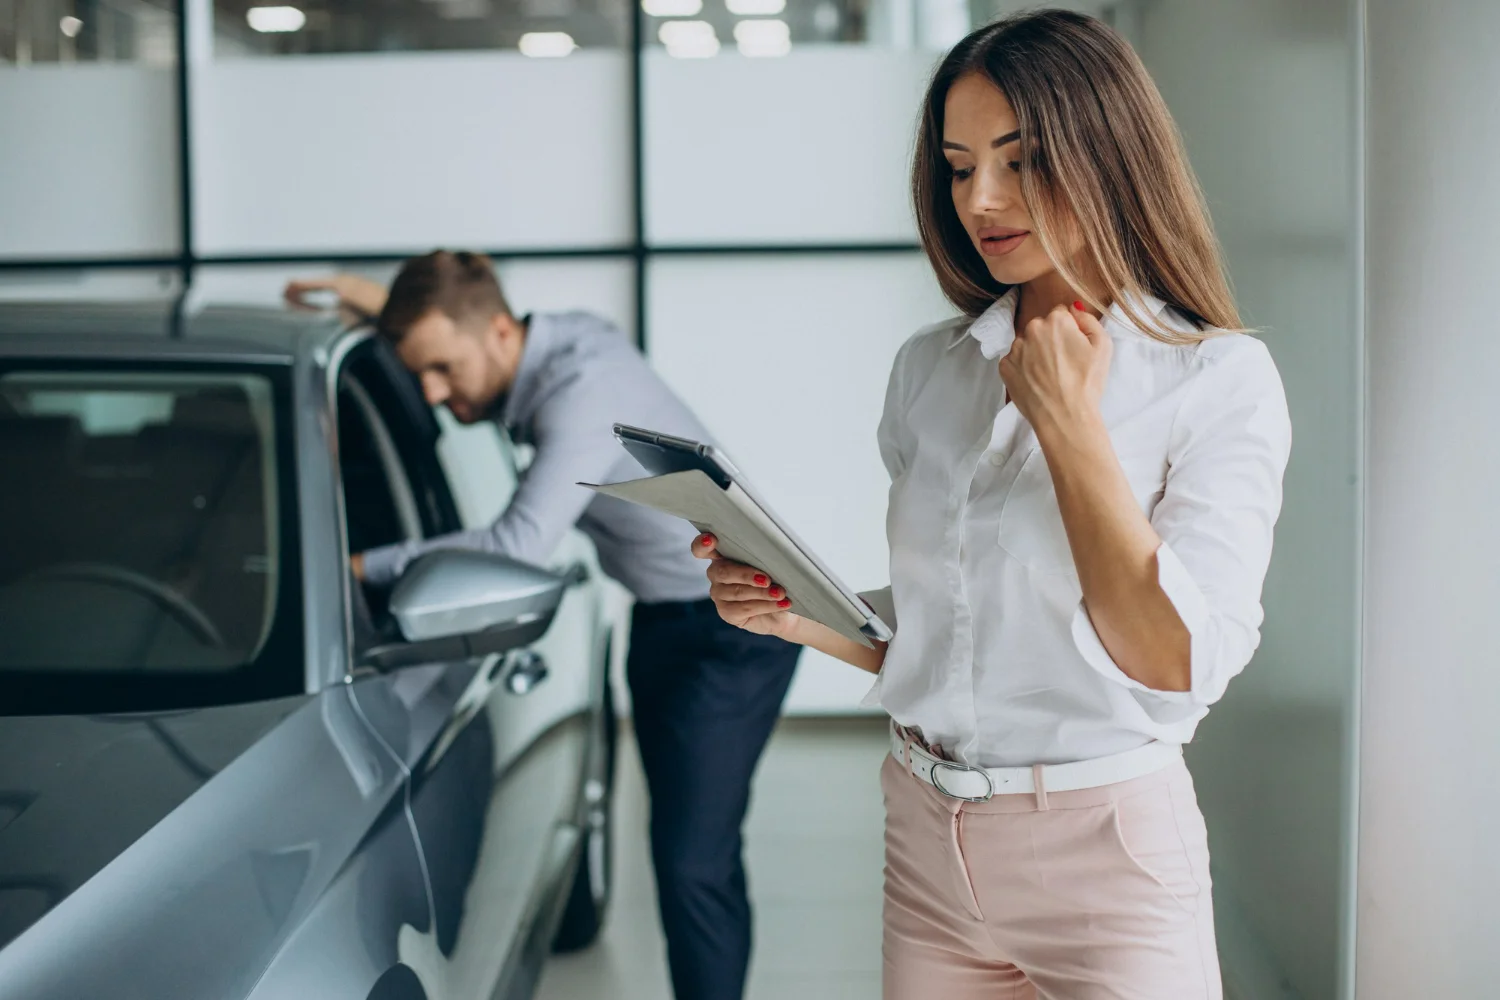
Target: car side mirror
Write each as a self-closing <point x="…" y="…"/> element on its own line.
<point x="453" y="605"/>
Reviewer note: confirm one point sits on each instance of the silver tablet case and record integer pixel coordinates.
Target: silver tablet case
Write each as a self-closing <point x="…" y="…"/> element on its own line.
<point x="746" y="534"/>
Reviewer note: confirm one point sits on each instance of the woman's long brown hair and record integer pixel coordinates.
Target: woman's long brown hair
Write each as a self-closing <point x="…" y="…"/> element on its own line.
<point x="1102" y="154"/>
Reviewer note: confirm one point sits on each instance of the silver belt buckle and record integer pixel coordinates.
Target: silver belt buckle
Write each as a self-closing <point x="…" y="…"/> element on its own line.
<point x="989" y="785"/>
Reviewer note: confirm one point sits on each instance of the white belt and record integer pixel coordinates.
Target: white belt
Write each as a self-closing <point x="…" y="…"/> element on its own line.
<point x="980" y="784"/>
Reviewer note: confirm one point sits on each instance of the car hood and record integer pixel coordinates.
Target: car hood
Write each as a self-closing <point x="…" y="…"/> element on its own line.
<point x="76" y="791"/>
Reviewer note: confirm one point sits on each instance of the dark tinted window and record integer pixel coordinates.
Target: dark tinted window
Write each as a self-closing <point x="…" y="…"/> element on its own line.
<point x="145" y="533"/>
<point x="535" y="27"/>
<point x="74" y="31"/>
<point x="371" y="512"/>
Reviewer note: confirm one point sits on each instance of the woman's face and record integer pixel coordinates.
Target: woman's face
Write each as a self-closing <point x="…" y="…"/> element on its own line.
<point x="982" y="141"/>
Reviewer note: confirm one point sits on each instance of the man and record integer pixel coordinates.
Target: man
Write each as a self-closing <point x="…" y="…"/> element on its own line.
<point x="706" y="695"/>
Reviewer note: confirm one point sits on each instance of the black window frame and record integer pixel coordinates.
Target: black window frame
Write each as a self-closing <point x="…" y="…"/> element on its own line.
<point x="639" y="250"/>
<point x="414" y="430"/>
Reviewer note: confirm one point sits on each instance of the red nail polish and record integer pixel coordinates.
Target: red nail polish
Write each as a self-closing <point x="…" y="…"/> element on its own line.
<point x="777" y="593"/>
<point x="1078" y="306"/>
<point x="760" y="580"/>
<point x="784" y="603"/>
<point x="706" y="540"/>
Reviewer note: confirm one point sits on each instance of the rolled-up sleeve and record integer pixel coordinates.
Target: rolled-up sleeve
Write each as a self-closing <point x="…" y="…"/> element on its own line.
<point x="1230" y="444"/>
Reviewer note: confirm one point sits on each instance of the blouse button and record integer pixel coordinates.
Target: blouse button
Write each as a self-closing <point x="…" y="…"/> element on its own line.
<point x="997" y="459"/>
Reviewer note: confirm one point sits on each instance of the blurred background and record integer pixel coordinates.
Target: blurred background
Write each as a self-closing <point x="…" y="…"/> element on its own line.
<point x="727" y="181"/>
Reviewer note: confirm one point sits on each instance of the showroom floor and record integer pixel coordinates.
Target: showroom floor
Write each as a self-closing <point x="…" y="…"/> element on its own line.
<point x="814" y="848"/>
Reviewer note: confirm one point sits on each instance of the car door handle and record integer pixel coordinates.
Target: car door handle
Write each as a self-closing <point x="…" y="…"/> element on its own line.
<point x="529" y="670"/>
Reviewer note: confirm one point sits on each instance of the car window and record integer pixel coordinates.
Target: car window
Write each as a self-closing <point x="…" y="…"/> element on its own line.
<point x="379" y="508"/>
<point x="393" y="400"/>
<point x="146" y="526"/>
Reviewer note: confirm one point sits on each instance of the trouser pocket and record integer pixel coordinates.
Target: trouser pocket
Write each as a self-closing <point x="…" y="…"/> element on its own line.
<point x="1162" y="836"/>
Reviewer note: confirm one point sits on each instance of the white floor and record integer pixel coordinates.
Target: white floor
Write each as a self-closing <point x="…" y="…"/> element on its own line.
<point x="814" y="857"/>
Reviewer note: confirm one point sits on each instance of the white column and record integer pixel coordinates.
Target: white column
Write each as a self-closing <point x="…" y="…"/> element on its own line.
<point x="1429" y="852"/>
<point x="200" y="31"/>
<point x="942" y="24"/>
<point x="893" y="23"/>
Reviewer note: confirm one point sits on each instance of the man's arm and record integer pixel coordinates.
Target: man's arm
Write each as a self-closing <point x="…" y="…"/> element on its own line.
<point x="573" y="444"/>
<point x="358" y="295"/>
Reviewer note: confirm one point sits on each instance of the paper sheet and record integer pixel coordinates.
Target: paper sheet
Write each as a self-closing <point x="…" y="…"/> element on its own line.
<point x="745" y="535"/>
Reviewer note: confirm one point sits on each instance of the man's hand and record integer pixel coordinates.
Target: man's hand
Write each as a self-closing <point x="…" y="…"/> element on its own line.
<point x="360" y="295"/>
<point x="357" y="566"/>
<point x="1057" y="367"/>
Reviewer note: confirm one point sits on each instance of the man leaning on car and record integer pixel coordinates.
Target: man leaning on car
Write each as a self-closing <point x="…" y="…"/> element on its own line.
<point x="706" y="695"/>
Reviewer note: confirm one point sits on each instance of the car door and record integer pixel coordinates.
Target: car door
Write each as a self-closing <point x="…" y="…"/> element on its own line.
<point x="483" y="468"/>
<point x="495" y="747"/>
<point x="179" y="815"/>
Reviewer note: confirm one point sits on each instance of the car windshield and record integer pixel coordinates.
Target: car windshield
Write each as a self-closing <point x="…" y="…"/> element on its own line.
<point x="145" y="557"/>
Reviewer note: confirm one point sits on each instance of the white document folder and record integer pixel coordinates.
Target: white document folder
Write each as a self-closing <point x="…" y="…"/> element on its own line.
<point x="747" y="535"/>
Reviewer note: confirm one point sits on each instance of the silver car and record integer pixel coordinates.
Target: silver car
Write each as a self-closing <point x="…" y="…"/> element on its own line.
<point x="225" y="770"/>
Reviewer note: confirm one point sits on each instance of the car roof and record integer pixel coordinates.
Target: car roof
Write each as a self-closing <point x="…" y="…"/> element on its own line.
<point x="156" y="329"/>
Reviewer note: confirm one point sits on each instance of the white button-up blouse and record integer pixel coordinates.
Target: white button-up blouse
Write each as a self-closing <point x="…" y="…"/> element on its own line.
<point x="994" y="658"/>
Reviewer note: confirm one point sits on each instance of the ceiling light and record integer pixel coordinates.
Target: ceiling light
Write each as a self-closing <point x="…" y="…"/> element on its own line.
<point x="755" y="8"/>
<point x="760" y="39"/>
<point x="274" y="20"/>
<point x="672" y="8"/>
<point x="689" y="39"/>
<point x="70" y="26"/>
<point x="547" y="44"/>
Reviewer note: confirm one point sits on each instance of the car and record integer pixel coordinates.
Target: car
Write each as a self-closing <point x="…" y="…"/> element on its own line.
<point x="227" y="770"/>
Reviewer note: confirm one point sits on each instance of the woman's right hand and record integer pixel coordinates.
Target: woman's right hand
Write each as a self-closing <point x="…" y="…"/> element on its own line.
<point x="745" y="596"/>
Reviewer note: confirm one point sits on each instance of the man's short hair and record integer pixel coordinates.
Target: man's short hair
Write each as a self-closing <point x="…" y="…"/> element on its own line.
<point x="462" y="286"/>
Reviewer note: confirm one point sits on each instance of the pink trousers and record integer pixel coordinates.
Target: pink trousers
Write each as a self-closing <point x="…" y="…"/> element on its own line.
<point x="1081" y="895"/>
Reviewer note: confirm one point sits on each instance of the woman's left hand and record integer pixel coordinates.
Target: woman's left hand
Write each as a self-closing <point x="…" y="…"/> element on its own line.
<point x="1057" y="367"/>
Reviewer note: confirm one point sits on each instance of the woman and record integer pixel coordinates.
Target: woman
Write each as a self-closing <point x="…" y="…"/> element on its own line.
<point x="1085" y="471"/>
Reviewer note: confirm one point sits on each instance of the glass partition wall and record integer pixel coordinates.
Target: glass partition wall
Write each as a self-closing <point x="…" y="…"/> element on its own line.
<point x="727" y="179"/>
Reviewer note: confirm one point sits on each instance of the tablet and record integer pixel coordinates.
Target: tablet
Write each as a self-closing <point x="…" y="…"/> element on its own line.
<point x="662" y="455"/>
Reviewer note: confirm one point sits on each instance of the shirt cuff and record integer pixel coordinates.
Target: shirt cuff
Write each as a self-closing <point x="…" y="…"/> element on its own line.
<point x="383" y="566"/>
<point x="1191" y="606"/>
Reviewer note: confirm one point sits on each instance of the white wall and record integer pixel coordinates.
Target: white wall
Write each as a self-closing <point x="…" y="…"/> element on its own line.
<point x="1429" y="866"/>
<point x="88" y="161"/>
<point x="786" y="360"/>
<point x="605" y="285"/>
<point x="812" y="147"/>
<point x="115" y="284"/>
<point x="389" y="152"/>
<point x="1266" y="97"/>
